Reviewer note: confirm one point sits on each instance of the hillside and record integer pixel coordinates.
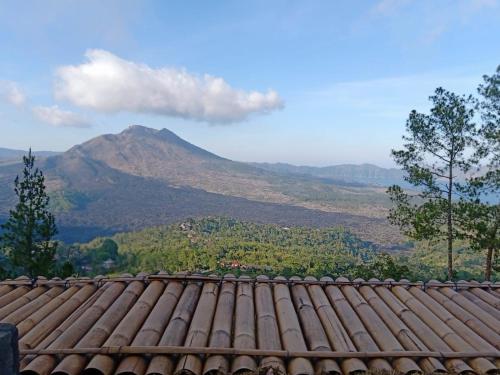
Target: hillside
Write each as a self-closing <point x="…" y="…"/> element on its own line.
<point x="227" y="245"/>
<point x="221" y="245"/>
<point x="142" y="177"/>
<point x="162" y="155"/>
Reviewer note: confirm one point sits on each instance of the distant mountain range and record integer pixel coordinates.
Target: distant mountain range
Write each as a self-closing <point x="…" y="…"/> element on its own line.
<point x="142" y="177"/>
<point x="10" y="154"/>
<point x="365" y="174"/>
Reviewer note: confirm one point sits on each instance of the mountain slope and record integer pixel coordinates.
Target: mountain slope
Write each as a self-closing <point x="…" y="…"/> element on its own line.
<point x="162" y="155"/>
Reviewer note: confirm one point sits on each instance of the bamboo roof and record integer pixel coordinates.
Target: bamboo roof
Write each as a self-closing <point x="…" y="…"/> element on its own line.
<point x="206" y="325"/>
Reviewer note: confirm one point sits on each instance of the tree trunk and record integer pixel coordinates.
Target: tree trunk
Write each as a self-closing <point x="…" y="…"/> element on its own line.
<point x="450" y="224"/>
<point x="490" y="256"/>
<point x="489" y="263"/>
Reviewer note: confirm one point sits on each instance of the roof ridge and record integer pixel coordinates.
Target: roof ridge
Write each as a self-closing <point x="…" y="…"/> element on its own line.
<point x="308" y="280"/>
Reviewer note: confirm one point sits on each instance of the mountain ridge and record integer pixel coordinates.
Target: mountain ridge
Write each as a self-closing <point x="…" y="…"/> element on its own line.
<point x="365" y="173"/>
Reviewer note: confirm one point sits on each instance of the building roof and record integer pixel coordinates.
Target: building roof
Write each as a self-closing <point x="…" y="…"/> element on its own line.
<point x="180" y="324"/>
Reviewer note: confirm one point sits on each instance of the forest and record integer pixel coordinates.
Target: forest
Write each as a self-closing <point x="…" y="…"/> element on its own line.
<point x="221" y="245"/>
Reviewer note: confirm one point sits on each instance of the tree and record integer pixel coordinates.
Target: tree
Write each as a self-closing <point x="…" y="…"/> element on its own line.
<point x="479" y="212"/>
<point x="435" y="153"/>
<point x="27" y="234"/>
<point x="489" y="107"/>
<point x="480" y="222"/>
<point x="382" y="267"/>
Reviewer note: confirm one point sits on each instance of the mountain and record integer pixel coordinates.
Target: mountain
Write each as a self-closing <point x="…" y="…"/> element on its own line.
<point x="366" y="174"/>
<point x="143" y="177"/>
<point x="11" y="154"/>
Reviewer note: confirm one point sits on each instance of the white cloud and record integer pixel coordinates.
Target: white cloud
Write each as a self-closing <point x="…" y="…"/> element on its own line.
<point x="60" y="118"/>
<point x="108" y="83"/>
<point x="12" y="93"/>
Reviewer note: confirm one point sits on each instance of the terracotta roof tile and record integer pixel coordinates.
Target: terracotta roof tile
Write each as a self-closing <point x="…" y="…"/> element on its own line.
<point x="188" y="324"/>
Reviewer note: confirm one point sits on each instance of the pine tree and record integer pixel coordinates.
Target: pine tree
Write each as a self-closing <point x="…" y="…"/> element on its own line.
<point x="435" y="153"/>
<point x="478" y="209"/>
<point x="27" y="234"/>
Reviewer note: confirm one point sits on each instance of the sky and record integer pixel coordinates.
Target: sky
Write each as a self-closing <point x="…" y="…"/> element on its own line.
<point x="302" y="82"/>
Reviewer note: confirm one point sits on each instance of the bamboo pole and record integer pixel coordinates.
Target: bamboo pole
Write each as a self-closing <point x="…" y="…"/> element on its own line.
<point x="474" y="339"/>
<point x="244" y="326"/>
<point x="36" y="317"/>
<point x="199" y="330"/>
<point x="482" y="304"/>
<point x="78" y="325"/>
<point x="120" y="350"/>
<point x="4" y="289"/>
<point x="486" y="297"/>
<point x="314" y="333"/>
<point x="51" y="327"/>
<point x="466" y="318"/>
<point x="220" y="337"/>
<point x="33" y="331"/>
<point x="127" y="328"/>
<point x="472" y="308"/>
<point x="338" y="336"/>
<point x="496" y="292"/>
<point x="152" y="329"/>
<point x="452" y="338"/>
<point x="23" y="312"/>
<point x="354" y="326"/>
<point x="100" y="331"/>
<point x="291" y="334"/>
<point x="268" y="335"/>
<point x="17" y="300"/>
<point x="176" y="330"/>
<point x="400" y="330"/>
<point x="378" y="330"/>
<point x="421" y="329"/>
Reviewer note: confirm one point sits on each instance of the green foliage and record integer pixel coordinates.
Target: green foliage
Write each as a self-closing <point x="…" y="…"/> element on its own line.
<point x="99" y="256"/>
<point x="225" y="245"/>
<point x="477" y="209"/>
<point x="221" y="245"/>
<point x="27" y="234"/>
<point x="489" y="108"/>
<point x="383" y="266"/>
<point x="428" y="261"/>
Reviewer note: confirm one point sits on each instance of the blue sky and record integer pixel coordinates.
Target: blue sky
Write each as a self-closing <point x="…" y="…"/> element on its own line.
<point x="317" y="83"/>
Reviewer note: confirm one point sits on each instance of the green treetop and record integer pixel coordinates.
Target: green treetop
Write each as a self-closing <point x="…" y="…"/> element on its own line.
<point x="27" y="234"/>
<point x="435" y="153"/>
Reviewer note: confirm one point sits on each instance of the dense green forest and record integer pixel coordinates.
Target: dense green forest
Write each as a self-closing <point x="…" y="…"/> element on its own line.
<point x="221" y="245"/>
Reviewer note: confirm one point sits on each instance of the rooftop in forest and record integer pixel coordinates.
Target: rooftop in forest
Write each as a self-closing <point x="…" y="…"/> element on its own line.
<point x="191" y="324"/>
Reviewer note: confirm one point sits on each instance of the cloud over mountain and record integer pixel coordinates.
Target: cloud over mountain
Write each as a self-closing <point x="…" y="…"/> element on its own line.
<point x="108" y="83"/>
<point x="59" y="117"/>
